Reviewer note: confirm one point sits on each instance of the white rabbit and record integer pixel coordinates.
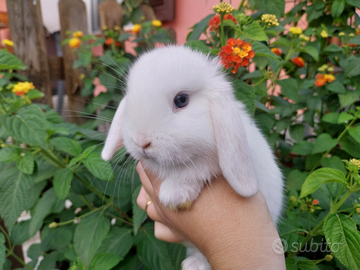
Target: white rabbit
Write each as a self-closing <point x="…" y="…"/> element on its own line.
<point x="180" y="117"/>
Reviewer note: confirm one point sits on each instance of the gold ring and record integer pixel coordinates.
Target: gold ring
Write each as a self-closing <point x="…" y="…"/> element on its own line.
<point x="147" y="204"/>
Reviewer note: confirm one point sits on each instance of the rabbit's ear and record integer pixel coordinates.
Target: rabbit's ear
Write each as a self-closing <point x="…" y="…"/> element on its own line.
<point x="232" y="146"/>
<point x="114" y="139"/>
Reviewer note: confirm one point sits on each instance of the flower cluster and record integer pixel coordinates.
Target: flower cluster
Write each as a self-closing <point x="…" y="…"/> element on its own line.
<point x="136" y="29"/>
<point x="78" y="34"/>
<point x="303" y="37"/>
<point x="324" y="34"/>
<point x="8" y="43"/>
<point x="277" y="51"/>
<point x="270" y="19"/>
<point x="236" y="53"/>
<point x="214" y="22"/>
<point x="223" y="8"/>
<point x="156" y="23"/>
<point x="21" y="88"/>
<point x="295" y="30"/>
<point x="322" y="79"/>
<point x="109" y="41"/>
<point x="355" y="162"/>
<point x="299" y="61"/>
<point x="75" y="41"/>
<point x="325" y="68"/>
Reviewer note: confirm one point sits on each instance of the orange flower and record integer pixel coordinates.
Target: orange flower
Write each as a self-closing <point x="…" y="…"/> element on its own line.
<point x="357" y="32"/>
<point x="315" y="201"/>
<point x="236" y="53"/>
<point x="276" y="51"/>
<point x="1" y="76"/>
<point x="321" y="79"/>
<point x="109" y="41"/>
<point x="136" y="29"/>
<point x="298" y="61"/>
<point x="78" y="34"/>
<point x="74" y="43"/>
<point x="214" y="22"/>
<point x="118" y="44"/>
<point x="352" y="45"/>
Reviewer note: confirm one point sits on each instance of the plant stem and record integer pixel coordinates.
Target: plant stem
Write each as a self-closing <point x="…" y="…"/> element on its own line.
<point x="12" y="254"/>
<point x="7" y="237"/>
<point x="263" y="79"/>
<point x="122" y="220"/>
<point x="241" y="5"/>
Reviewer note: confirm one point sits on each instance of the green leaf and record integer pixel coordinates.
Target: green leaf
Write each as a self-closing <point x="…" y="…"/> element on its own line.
<point x="349" y="145"/>
<point x="352" y="67"/>
<point x="334" y="162"/>
<point x="34" y="93"/>
<point x="336" y="87"/>
<point x="289" y="88"/>
<point x="355" y="133"/>
<point x="154" y="253"/>
<point x="26" y="163"/>
<point x="66" y="145"/>
<point x="355" y="40"/>
<point x="10" y="61"/>
<point x="14" y="189"/>
<point x="295" y="179"/>
<point x="118" y="242"/>
<point x="89" y="234"/>
<point x="354" y="3"/>
<point x="331" y="118"/>
<point x="46" y="204"/>
<point x="255" y="32"/>
<point x="333" y="48"/>
<point x="245" y="93"/>
<point x="9" y="154"/>
<point x="177" y="254"/>
<point x="263" y="50"/>
<point x="276" y="7"/>
<point x="28" y="126"/>
<point x="138" y="214"/>
<point x="20" y="233"/>
<point x="2" y="251"/>
<point x="319" y="177"/>
<point x="350" y="97"/>
<point x="337" y="8"/>
<point x="85" y="57"/>
<point x="62" y="182"/>
<point x="98" y="167"/>
<point x="323" y="143"/>
<point x="344" y="117"/>
<point x="302" y="148"/>
<point x="104" y="261"/>
<point x="199" y="28"/>
<point x="124" y="36"/>
<point x="297" y="132"/>
<point x="300" y="263"/>
<point x="340" y="230"/>
<point x="311" y="51"/>
<point x="198" y="45"/>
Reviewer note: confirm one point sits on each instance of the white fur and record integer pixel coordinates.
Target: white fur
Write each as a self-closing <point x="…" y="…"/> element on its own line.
<point x="213" y="134"/>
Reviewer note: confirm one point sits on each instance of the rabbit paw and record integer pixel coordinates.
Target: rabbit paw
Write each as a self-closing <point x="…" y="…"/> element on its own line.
<point x="177" y="196"/>
<point x="195" y="263"/>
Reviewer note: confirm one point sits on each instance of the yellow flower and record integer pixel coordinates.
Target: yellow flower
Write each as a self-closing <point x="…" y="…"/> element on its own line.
<point x="355" y="162"/>
<point x="8" y="42"/>
<point x="156" y="23"/>
<point x="351" y="35"/>
<point x="223" y="8"/>
<point x="116" y="28"/>
<point x="295" y="30"/>
<point x="330" y="69"/>
<point x="78" y="34"/>
<point x="82" y="76"/>
<point x="270" y="19"/>
<point x="329" y="77"/>
<point x="74" y="43"/>
<point x="324" y="34"/>
<point x="136" y="29"/>
<point x="341" y="34"/>
<point x="303" y="37"/>
<point x="21" y="88"/>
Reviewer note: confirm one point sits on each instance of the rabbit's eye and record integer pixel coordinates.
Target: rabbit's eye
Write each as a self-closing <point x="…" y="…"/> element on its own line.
<point x="181" y="100"/>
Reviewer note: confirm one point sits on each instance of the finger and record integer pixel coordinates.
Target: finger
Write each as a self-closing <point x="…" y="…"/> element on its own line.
<point x="145" y="180"/>
<point x="163" y="233"/>
<point x="142" y="201"/>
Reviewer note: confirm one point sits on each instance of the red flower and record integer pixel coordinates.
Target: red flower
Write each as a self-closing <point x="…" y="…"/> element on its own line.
<point x="352" y="45"/>
<point x="276" y="51"/>
<point x="298" y="61"/>
<point x="214" y="22"/>
<point x="321" y="79"/>
<point x="236" y="53"/>
<point x="118" y="44"/>
<point x="315" y="201"/>
<point x="1" y="76"/>
<point x="109" y="41"/>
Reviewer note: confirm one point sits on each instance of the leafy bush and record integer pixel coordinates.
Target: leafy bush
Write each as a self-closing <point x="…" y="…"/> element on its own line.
<point x="303" y="91"/>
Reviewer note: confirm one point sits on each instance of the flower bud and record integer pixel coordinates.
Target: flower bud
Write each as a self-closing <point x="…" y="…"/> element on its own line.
<point x="53" y="225"/>
<point x="293" y="198"/>
<point x="329" y="257"/>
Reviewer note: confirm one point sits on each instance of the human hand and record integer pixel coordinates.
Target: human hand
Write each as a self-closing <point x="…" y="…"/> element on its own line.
<point x="223" y="225"/>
